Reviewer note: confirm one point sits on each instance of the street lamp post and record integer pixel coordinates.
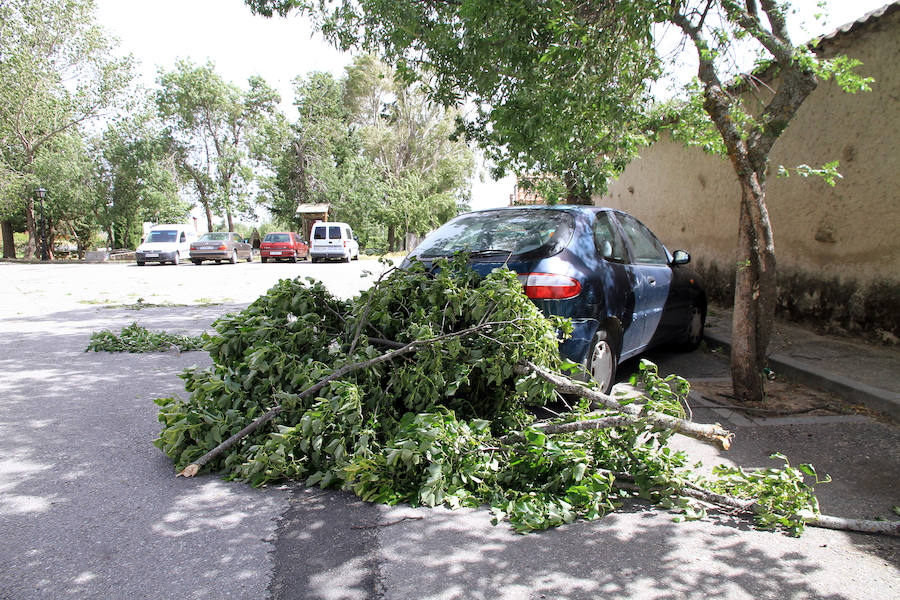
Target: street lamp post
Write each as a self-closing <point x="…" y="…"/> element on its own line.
<point x="40" y="193"/>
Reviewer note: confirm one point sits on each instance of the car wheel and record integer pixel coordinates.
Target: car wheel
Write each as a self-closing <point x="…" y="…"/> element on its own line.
<point x="140" y="263"/>
<point x="601" y="361"/>
<point x="693" y="331"/>
<point x="264" y="259"/>
<point x="177" y="259"/>
<point x="346" y="260"/>
<point x="197" y="261"/>
<point x="293" y="259"/>
<point x="233" y="258"/>
<point x="313" y="259"/>
<point x="250" y="256"/>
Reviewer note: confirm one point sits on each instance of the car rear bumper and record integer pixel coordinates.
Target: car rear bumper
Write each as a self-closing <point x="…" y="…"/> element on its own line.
<point x="286" y="253"/>
<point x="210" y="254"/>
<point x="340" y="253"/>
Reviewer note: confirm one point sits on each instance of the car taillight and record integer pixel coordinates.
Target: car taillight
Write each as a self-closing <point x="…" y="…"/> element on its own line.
<point x="549" y="286"/>
<point x="193" y="246"/>
<point x="223" y="247"/>
<point x="345" y="243"/>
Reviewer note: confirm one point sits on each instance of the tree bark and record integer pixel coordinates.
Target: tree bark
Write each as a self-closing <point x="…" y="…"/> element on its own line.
<point x="9" y="244"/>
<point x="391" y="238"/>
<point x="30" y="227"/>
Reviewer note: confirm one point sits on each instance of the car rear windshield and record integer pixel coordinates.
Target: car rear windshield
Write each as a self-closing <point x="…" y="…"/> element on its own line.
<point x="531" y="233"/>
<point x="208" y="237"/>
<point x="163" y="235"/>
<point x="277" y="237"/>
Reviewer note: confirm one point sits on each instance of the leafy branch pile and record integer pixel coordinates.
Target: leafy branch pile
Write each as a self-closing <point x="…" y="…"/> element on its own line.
<point x="135" y="338"/>
<point x="301" y="383"/>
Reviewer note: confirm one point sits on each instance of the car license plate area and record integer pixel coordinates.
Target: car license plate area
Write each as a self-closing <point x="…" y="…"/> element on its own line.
<point x="275" y="252"/>
<point x="152" y="255"/>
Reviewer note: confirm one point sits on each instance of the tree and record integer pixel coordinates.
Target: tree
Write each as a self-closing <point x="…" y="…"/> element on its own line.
<point x="211" y="122"/>
<point x="373" y="147"/>
<point x="136" y="179"/>
<point x="57" y="72"/>
<point x="409" y="138"/>
<point x="546" y="69"/>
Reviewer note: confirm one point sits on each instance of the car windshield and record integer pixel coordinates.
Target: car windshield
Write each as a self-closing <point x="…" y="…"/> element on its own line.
<point x="213" y="237"/>
<point x="541" y="232"/>
<point x="277" y="237"/>
<point x="163" y="235"/>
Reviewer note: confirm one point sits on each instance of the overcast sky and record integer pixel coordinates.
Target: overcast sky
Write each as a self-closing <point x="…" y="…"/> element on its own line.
<point x="160" y="31"/>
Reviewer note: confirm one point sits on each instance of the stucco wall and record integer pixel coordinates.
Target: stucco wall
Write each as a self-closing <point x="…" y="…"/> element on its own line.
<point x="825" y="237"/>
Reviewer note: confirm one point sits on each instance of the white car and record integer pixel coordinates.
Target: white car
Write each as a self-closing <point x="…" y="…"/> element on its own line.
<point x="333" y="241"/>
<point x="166" y="243"/>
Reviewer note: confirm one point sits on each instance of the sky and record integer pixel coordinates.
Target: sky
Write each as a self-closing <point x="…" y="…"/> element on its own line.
<point x="159" y="32"/>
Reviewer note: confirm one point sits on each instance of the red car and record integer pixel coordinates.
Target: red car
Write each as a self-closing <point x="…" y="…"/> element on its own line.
<point x="283" y="245"/>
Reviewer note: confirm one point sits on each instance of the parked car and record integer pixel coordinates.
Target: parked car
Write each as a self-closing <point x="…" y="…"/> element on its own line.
<point x="624" y="291"/>
<point x="219" y="246"/>
<point x="333" y="241"/>
<point x="283" y="245"/>
<point x="165" y="243"/>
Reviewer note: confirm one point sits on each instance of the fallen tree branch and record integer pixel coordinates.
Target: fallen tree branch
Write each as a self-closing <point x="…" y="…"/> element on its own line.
<point x="892" y="528"/>
<point x="193" y="468"/>
<point x="379" y="525"/>
<point x="708" y="433"/>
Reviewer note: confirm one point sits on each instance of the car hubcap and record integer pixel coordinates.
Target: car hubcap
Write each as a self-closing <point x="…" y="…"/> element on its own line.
<point x="601" y="364"/>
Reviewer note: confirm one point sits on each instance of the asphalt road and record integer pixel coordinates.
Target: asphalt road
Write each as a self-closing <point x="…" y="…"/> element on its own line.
<point x="89" y="508"/>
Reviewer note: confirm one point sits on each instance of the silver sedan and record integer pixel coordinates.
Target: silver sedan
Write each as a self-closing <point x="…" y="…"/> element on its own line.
<point x="221" y="246"/>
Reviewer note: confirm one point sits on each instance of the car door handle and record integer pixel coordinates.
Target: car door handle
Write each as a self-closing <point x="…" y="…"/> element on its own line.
<point x="651" y="281"/>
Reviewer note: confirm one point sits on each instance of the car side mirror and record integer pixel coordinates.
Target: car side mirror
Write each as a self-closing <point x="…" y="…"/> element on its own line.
<point x="681" y="258"/>
<point x="606" y="249"/>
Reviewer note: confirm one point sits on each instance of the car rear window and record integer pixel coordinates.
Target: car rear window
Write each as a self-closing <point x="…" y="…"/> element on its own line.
<point x="531" y="233"/>
<point x="334" y="233"/>
<point x="217" y="236"/>
<point x="277" y="237"/>
<point x="319" y="233"/>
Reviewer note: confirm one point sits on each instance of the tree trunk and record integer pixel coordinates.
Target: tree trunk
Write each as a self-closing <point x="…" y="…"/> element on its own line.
<point x="576" y="192"/>
<point x="229" y="218"/>
<point x="391" y="237"/>
<point x="206" y="209"/>
<point x="754" y="292"/>
<point x="9" y="243"/>
<point x="30" y="227"/>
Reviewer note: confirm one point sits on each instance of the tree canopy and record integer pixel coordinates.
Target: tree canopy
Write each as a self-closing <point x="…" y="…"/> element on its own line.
<point x="562" y="88"/>
<point x="57" y="72"/>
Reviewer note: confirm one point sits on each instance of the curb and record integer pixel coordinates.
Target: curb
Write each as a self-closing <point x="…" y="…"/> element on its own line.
<point x="854" y="391"/>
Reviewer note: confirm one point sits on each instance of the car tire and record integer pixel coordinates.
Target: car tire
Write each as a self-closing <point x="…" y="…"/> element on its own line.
<point x="293" y="259"/>
<point x="250" y="256"/>
<point x="197" y="261"/>
<point x="140" y="263"/>
<point x="177" y="259"/>
<point x="313" y="259"/>
<point x="233" y="260"/>
<point x="348" y="259"/>
<point x="602" y="360"/>
<point x="264" y="259"/>
<point x="692" y="334"/>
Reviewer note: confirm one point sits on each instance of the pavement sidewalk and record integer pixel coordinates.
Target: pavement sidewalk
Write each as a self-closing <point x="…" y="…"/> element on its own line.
<point x="857" y="371"/>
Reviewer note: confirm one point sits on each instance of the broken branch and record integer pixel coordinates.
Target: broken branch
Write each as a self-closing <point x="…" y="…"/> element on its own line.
<point x="708" y="433"/>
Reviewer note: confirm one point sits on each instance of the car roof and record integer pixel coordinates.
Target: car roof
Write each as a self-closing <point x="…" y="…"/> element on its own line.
<point x="561" y="207"/>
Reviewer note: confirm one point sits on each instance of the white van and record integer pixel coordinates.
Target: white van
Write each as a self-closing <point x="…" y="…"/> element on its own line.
<point x="333" y="240"/>
<point x="166" y="243"/>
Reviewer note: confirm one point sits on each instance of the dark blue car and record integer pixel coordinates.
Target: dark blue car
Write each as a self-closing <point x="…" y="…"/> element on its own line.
<point x="623" y="290"/>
